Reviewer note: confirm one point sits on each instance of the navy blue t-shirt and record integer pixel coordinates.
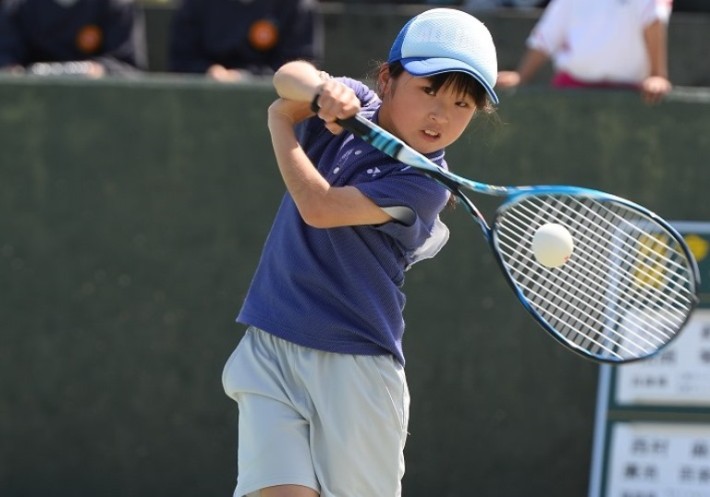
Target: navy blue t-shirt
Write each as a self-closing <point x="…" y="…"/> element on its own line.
<point x="340" y="289"/>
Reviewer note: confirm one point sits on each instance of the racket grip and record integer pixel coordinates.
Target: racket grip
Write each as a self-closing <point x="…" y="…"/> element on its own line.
<point x="357" y="125"/>
<point x="314" y="103"/>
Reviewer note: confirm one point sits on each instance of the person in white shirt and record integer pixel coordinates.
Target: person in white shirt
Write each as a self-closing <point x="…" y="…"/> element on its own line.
<point x="600" y="43"/>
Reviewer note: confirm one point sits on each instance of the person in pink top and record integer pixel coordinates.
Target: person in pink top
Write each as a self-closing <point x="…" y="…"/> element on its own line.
<point x="600" y="44"/>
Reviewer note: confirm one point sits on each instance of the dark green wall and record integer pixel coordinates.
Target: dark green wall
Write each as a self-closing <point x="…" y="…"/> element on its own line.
<point x="132" y="214"/>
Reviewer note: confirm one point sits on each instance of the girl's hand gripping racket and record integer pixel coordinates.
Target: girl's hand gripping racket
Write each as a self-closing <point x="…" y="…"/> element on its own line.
<point x="629" y="284"/>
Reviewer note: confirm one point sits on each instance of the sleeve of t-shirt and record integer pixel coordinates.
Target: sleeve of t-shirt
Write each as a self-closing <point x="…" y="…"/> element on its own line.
<point x="411" y="189"/>
<point x="656" y="10"/>
<point x="548" y="35"/>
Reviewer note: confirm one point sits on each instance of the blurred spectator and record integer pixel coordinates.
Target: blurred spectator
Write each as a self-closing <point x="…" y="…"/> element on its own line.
<point x="78" y="37"/>
<point x="600" y="43"/>
<point x="230" y="40"/>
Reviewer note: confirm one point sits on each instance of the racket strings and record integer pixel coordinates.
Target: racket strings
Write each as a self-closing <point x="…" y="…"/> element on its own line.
<point x="648" y="259"/>
<point x="625" y="258"/>
<point x="599" y="229"/>
<point x="626" y="290"/>
<point x="599" y="219"/>
<point x="598" y="296"/>
<point x="637" y="256"/>
<point x="592" y="281"/>
<point x="550" y="290"/>
<point x="581" y="327"/>
<point x="581" y="324"/>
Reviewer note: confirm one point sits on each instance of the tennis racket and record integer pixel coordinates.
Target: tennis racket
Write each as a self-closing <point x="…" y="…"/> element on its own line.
<point x="626" y="291"/>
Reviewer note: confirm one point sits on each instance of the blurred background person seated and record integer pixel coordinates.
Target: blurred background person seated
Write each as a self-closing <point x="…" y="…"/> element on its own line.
<point x="231" y="40"/>
<point x="600" y="43"/>
<point x="72" y="37"/>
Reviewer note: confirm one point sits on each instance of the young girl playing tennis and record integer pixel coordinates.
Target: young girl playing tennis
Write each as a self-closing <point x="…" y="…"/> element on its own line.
<point x="318" y="376"/>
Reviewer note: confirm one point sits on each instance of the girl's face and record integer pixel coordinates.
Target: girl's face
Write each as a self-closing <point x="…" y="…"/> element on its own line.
<point x="425" y="119"/>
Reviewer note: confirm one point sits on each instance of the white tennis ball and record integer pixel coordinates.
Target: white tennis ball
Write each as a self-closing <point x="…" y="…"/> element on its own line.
<point x="552" y="245"/>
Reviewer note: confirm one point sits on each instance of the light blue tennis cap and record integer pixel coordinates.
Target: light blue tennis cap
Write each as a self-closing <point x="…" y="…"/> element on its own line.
<point x="446" y="40"/>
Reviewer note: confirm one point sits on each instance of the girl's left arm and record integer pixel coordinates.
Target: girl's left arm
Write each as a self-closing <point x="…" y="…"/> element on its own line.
<point x="300" y="81"/>
<point x="320" y="204"/>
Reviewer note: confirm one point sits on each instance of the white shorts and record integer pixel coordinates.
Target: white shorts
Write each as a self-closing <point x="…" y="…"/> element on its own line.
<point x="336" y="423"/>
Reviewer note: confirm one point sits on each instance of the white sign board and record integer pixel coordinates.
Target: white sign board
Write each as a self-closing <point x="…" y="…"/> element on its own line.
<point x="659" y="460"/>
<point x="679" y="375"/>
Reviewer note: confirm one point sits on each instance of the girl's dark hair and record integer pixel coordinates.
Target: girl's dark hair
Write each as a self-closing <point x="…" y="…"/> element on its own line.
<point x="458" y="81"/>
